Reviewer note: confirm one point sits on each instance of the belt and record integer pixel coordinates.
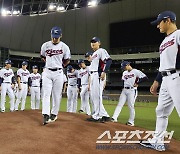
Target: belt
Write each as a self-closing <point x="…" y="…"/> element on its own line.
<point x="6" y="82"/>
<point x="84" y="84"/>
<point x="72" y="85"/>
<point x="34" y="86"/>
<point x="24" y="82"/>
<point x="54" y="69"/>
<point x="166" y="73"/>
<point x="128" y="87"/>
<point x="91" y="72"/>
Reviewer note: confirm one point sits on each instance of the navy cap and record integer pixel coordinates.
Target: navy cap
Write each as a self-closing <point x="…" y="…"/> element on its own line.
<point x="95" y="39"/>
<point x="80" y="61"/>
<point x="164" y="15"/>
<point x="8" y="61"/>
<point x="24" y="63"/>
<point x="56" y="32"/>
<point x="69" y="68"/>
<point x="124" y="64"/>
<point x="35" y="67"/>
<point x="88" y="54"/>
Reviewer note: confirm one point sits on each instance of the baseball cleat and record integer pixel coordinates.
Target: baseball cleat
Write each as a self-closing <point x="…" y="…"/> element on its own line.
<point x="46" y="119"/>
<point x="158" y="147"/>
<point x="106" y="119"/>
<point x="92" y="119"/>
<point x="129" y="124"/>
<point x="2" y="111"/>
<point x="113" y="120"/>
<point x="80" y="111"/>
<point x="53" y="118"/>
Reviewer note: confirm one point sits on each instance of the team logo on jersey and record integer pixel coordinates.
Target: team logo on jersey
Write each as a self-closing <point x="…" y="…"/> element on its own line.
<point x="83" y="73"/>
<point x="166" y="45"/>
<point x="35" y="77"/>
<point x="93" y="57"/>
<point x="71" y="76"/>
<point x="52" y="52"/>
<point x="24" y="74"/>
<point x="129" y="76"/>
<point x="7" y="74"/>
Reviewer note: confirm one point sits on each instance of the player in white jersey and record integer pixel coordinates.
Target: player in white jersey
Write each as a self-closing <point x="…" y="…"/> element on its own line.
<point x="131" y="78"/>
<point x="84" y="83"/>
<point x="23" y="85"/>
<point x="72" y="90"/>
<point x="35" y="88"/>
<point x="56" y="54"/>
<point x="169" y="74"/>
<point x="7" y="82"/>
<point x="100" y="64"/>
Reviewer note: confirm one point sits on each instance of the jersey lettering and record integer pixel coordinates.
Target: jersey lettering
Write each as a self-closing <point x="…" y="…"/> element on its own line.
<point x="52" y="52"/>
<point x="166" y="45"/>
<point x="129" y="76"/>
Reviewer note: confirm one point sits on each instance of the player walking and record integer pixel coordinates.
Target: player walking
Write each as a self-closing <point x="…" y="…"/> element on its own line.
<point x="131" y="79"/>
<point x="169" y="74"/>
<point x="56" y="54"/>
<point x="23" y="83"/>
<point x="84" y="78"/>
<point x="35" y="88"/>
<point x="72" y="90"/>
<point x="101" y="58"/>
<point x="7" y="82"/>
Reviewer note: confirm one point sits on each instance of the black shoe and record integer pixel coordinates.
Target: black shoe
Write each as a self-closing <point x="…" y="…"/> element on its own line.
<point x="53" y="117"/>
<point x="155" y="147"/>
<point x="92" y="119"/>
<point x="106" y="119"/>
<point x="102" y="120"/>
<point x="45" y="119"/>
<point x="129" y="124"/>
<point x="80" y="111"/>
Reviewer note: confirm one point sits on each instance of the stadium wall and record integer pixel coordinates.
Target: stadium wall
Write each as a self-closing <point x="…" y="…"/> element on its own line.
<point x="27" y="33"/>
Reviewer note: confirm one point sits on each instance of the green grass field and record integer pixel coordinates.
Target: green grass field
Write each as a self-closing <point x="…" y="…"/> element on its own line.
<point x="145" y="114"/>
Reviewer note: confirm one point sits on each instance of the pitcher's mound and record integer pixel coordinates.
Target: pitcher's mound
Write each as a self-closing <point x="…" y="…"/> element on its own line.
<point x="23" y="132"/>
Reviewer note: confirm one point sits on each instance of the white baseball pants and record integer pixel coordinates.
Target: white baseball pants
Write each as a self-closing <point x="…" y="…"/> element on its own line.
<point x="72" y="98"/>
<point x="35" y="98"/>
<point x="21" y="96"/>
<point x="7" y="88"/>
<point x="52" y="83"/>
<point x="130" y="96"/>
<point x="85" y="99"/>
<point x="96" y="90"/>
<point x="169" y="98"/>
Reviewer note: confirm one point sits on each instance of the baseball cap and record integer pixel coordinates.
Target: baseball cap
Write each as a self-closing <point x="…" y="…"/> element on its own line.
<point x="35" y="67"/>
<point x="69" y="68"/>
<point x="80" y="61"/>
<point x="56" y="32"/>
<point x="8" y="61"/>
<point x="164" y="15"/>
<point x="24" y="63"/>
<point x="95" y="39"/>
<point x="87" y="54"/>
<point x="124" y="64"/>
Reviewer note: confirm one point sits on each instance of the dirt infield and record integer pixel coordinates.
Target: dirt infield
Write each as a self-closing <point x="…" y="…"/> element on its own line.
<point x="23" y="132"/>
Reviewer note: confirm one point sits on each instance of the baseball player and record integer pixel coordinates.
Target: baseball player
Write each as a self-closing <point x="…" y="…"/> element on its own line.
<point x="23" y="85"/>
<point x="72" y="90"/>
<point x="7" y="82"/>
<point x="100" y="64"/>
<point x="169" y="75"/>
<point x="84" y="81"/>
<point x="56" y="54"/>
<point x="131" y="79"/>
<point x="35" y="88"/>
